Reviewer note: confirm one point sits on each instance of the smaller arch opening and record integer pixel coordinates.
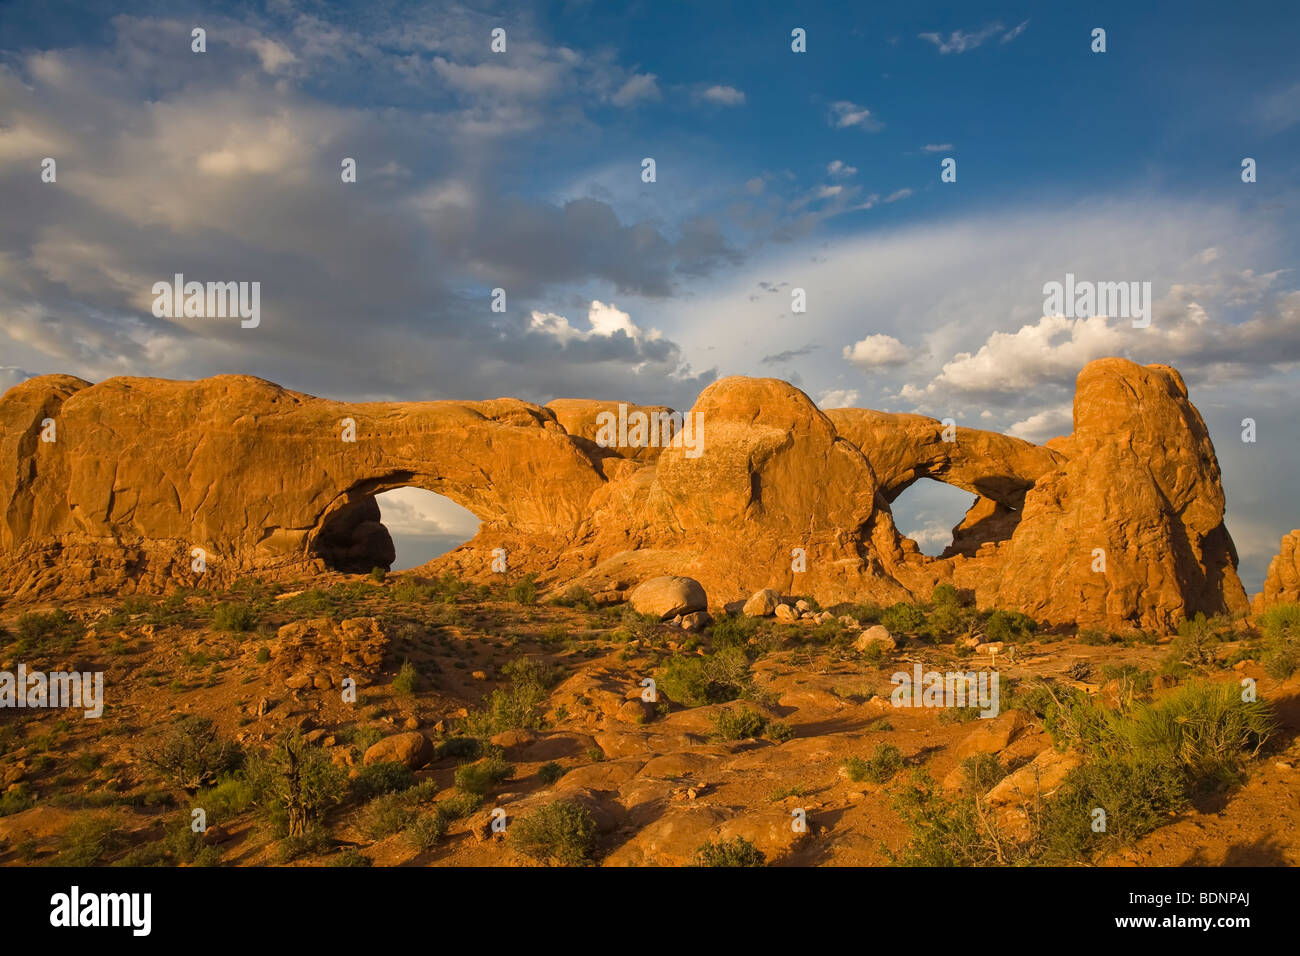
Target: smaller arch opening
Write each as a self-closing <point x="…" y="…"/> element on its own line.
<point x="397" y="529"/>
<point x="928" y="510"/>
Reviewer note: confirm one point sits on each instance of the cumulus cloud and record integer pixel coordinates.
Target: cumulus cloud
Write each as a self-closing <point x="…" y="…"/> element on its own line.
<point x="876" y="351"/>
<point x="1043" y="425"/>
<point x="838" y="167"/>
<point x="723" y="95"/>
<point x="838" y="398"/>
<point x="845" y="114"/>
<point x="640" y="86"/>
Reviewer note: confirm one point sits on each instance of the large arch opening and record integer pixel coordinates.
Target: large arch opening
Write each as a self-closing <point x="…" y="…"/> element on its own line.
<point x="395" y="529"/>
<point x="927" y="511"/>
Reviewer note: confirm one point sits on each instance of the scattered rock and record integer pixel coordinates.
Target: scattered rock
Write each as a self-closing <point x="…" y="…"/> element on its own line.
<point x="878" y="635"/>
<point x="762" y="603"/>
<point x="412" y="749"/>
<point x="667" y="596"/>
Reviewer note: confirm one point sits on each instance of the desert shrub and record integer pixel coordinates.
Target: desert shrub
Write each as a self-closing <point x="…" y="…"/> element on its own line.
<point x="737" y="852"/>
<point x="406" y="591"/>
<point x="738" y="723"/>
<point x="16" y="799"/>
<point x="946" y="621"/>
<point x="518" y="707"/>
<point x="229" y="797"/>
<point x="733" y="630"/>
<point x="386" y="815"/>
<point x="381" y="778"/>
<point x="1010" y="626"/>
<point x="576" y="596"/>
<point x="460" y="805"/>
<point x="57" y="630"/>
<point x="942" y="832"/>
<point x="191" y="754"/>
<point x="460" y="748"/>
<point x="427" y="830"/>
<point x="1281" y="651"/>
<point x="1136" y="793"/>
<point x="524" y="591"/>
<point x="312" y="841"/>
<point x="981" y="771"/>
<point x="297" y="783"/>
<point x="1203" y="730"/>
<point x="1196" y="641"/>
<point x="778" y="731"/>
<point x="378" y="574"/>
<point x="407" y="678"/>
<point x="561" y="832"/>
<point x="903" y="618"/>
<point x="480" y="777"/>
<point x="945" y="595"/>
<point x="714" y="679"/>
<point x="549" y="773"/>
<point x="351" y="856"/>
<point x="263" y="655"/>
<point x="89" y="841"/>
<point x="235" y="618"/>
<point x="880" y="767"/>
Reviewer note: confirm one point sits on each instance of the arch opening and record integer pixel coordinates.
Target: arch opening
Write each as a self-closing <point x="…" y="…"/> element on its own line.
<point x="944" y="520"/>
<point x="396" y="529"/>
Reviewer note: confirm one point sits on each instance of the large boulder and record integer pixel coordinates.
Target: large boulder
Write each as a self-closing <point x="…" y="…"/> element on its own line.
<point x="762" y="603"/>
<point x="668" y="596"/>
<point x="412" y="749"/>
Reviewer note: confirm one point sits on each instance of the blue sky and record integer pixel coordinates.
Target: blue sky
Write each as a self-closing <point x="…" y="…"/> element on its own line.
<point x="775" y="170"/>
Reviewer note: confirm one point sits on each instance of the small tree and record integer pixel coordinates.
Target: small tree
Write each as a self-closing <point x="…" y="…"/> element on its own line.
<point x="192" y="755"/>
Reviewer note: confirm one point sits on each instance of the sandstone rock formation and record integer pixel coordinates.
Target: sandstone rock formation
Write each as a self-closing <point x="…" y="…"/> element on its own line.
<point x="261" y="480"/>
<point x="1282" y="584"/>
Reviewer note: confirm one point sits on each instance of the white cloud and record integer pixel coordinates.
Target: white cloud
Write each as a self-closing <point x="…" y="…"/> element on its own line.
<point x="838" y="398"/>
<point x="959" y="41"/>
<point x="416" y="512"/>
<point x="604" y="320"/>
<point x="838" y="167"/>
<point x="640" y="86"/>
<point x="898" y="194"/>
<point x="724" y="96"/>
<point x="10" y="376"/>
<point x="1014" y="32"/>
<point x="274" y="56"/>
<point x="1046" y="424"/>
<point x="937" y="147"/>
<point x="876" y="351"/>
<point x="845" y="114"/>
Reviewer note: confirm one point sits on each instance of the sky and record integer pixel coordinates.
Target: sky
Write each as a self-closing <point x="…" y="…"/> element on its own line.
<point x="775" y="170"/>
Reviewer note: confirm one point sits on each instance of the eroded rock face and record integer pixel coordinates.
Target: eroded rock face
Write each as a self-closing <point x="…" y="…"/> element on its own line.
<point x="781" y="495"/>
<point x="1282" y="584"/>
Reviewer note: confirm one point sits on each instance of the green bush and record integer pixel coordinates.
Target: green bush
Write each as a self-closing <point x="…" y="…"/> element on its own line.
<point x="1009" y="626"/>
<point x="880" y="767"/>
<point x="733" y="630"/>
<point x="945" y="595"/>
<point x="427" y="830"/>
<point x="738" y="723"/>
<point x="903" y="618"/>
<point x="480" y="777"/>
<point x="524" y="591"/>
<point x="378" y="574"/>
<point x="297" y="783"/>
<point x="737" y="852"/>
<point x="714" y="679"/>
<point x="779" y="731"/>
<point x="191" y="754"/>
<point x="89" y="840"/>
<point x="380" y="778"/>
<point x="235" y="618"/>
<point x="549" y="773"/>
<point x="407" y="678"/>
<point x="386" y="815"/>
<point x="1281" y="652"/>
<point x="562" y="832"/>
<point x="57" y="630"/>
<point x="981" y="771"/>
<point x="351" y="856"/>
